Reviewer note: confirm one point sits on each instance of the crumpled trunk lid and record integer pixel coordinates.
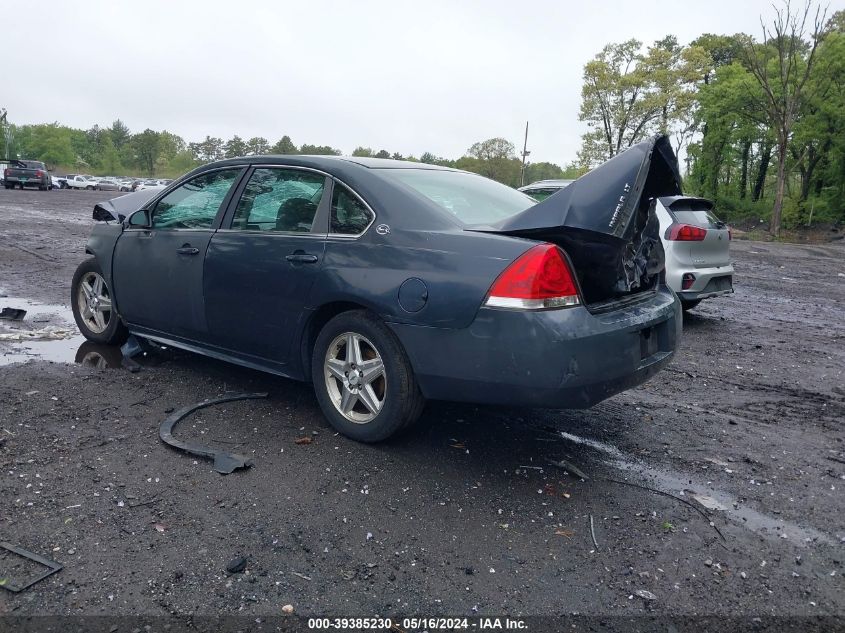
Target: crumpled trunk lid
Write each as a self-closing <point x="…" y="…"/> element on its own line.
<point x="606" y="222"/>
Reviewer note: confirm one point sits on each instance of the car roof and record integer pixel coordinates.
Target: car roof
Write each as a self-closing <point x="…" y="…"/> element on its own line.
<point x="322" y="161"/>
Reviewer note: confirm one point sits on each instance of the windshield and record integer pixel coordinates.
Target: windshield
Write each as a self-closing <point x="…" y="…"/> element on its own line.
<point x="469" y="198"/>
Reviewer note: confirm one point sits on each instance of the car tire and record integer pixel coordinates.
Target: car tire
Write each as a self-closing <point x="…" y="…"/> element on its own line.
<point x="394" y="390"/>
<point x="42" y="188"/>
<point x="88" y="296"/>
<point x="689" y="304"/>
<point x="89" y="188"/>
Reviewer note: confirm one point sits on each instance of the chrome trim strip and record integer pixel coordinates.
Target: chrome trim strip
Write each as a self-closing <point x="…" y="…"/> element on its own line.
<point x="532" y="304"/>
<point x="320" y="236"/>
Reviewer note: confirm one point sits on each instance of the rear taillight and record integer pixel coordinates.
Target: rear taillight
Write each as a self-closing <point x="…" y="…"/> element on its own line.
<point x="5" y="173"/>
<point x="687" y="280"/>
<point x="685" y="233"/>
<point x="538" y="279"/>
<point x="39" y="173"/>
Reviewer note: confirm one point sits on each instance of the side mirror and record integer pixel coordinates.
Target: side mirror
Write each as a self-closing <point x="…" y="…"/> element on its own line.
<point x="138" y="220"/>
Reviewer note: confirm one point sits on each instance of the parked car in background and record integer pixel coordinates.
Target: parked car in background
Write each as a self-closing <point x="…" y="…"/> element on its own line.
<point x="697" y="245"/>
<point x="59" y="182"/>
<point x="148" y="184"/>
<point x="542" y="189"/>
<point x="75" y="181"/>
<point x="107" y="184"/>
<point x="27" y="173"/>
<point x="386" y="283"/>
<point x="696" y="242"/>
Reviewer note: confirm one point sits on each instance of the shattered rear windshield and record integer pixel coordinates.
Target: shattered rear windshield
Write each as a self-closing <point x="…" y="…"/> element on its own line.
<point x="469" y="198"/>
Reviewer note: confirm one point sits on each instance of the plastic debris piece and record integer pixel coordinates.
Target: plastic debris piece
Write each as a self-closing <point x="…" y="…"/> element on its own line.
<point x="645" y="594"/>
<point x="236" y="565"/>
<point x="224" y="462"/>
<point x="51" y="565"/>
<point x="12" y="314"/>
<point x="570" y="468"/>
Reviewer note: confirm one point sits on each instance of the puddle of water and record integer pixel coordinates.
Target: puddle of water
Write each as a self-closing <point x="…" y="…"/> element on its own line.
<point x="51" y="320"/>
<point x="710" y="498"/>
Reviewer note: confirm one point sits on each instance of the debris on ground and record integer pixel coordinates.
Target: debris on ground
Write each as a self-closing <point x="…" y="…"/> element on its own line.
<point x="51" y="565"/>
<point x="236" y="565"/>
<point x="49" y="333"/>
<point x="570" y="468"/>
<point x="645" y="594"/>
<point x="224" y="462"/>
<point x="303" y="440"/>
<point x="593" y="532"/>
<point x="288" y="608"/>
<point x="12" y="314"/>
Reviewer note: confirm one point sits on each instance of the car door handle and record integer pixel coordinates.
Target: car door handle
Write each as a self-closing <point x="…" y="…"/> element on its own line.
<point x="301" y="258"/>
<point x="187" y="249"/>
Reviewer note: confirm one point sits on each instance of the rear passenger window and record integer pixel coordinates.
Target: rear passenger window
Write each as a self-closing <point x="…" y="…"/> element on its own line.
<point x="283" y="200"/>
<point x="349" y="215"/>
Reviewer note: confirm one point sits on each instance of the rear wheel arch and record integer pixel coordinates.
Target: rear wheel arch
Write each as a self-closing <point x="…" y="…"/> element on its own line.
<point x="379" y="395"/>
<point x="315" y="323"/>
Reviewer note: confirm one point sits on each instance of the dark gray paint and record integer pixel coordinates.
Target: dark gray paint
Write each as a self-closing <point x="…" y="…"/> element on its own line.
<point x="243" y="301"/>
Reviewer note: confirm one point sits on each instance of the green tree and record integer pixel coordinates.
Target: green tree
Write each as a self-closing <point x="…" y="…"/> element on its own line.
<point x="49" y="143"/>
<point x="146" y="150"/>
<point x="782" y="65"/>
<point x="208" y="150"/>
<point x="109" y="158"/>
<point x="284" y="146"/>
<point x="257" y="146"/>
<point x="491" y="149"/>
<point x="318" y="150"/>
<point x="542" y="171"/>
<point x="234" y="147"/>
<point x="362" y="151"/>
<point x="382" y="153"/>
<point x="616" y="101"/>
<point x="120" y="134"/>
<point x="494" y="158"/>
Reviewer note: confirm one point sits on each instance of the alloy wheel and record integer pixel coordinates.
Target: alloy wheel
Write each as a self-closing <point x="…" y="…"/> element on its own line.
<point x="355" y="377"/>
<point x="94" y="302"/>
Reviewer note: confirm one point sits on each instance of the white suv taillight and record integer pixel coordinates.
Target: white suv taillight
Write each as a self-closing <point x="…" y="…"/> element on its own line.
<point x="538" y="279"/>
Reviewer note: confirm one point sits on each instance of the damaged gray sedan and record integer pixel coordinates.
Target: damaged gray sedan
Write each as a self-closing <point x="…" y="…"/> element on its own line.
<point x="387" y="283"/>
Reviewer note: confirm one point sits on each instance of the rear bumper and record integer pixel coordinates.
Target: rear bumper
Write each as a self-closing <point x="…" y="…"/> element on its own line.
<point x="29" y="182"/>
<point x="709" y="282"/>
<point x="565" y="358"/>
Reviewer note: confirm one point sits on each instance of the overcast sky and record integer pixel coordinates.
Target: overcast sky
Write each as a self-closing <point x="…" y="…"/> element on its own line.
<point x="406" y="77"/>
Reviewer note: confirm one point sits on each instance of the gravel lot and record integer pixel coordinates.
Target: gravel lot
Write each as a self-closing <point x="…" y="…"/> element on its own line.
<point x="466" y="514"/>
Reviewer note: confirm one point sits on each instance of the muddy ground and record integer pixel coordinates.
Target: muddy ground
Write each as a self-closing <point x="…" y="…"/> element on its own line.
<point x="466" y="513"/>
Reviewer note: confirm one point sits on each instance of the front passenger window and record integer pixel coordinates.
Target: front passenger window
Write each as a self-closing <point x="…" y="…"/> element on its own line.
<point x="195" y="204"/>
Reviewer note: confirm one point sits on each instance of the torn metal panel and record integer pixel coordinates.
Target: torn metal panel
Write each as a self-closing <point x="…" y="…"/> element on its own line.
<point x="224" y="462"/>
<point x="51" y="565"/>
<point x="606" y="222"/>
<point x="118" y="209"/>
